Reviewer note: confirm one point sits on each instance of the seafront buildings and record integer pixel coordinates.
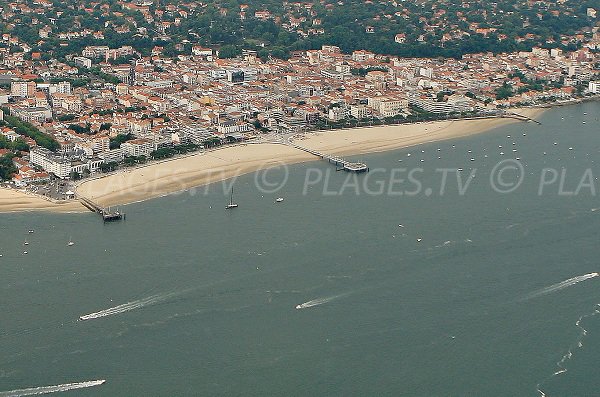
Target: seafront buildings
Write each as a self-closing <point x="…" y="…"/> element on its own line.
<point x="157" y="102"/>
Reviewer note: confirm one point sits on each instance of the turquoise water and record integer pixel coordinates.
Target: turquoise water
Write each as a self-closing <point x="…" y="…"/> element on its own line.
<point x="210" y="294"/>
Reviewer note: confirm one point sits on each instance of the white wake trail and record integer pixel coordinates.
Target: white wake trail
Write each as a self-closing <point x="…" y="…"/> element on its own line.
<point x="137" y="304"/>
<point x="562" y="363"/>
<point x="51" y="389"/>
<point x="561" y="285"/>
<point x="318" y="301"/>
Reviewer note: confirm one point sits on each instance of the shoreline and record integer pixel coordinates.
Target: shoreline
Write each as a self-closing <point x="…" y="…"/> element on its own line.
<point x="162" y="178"/>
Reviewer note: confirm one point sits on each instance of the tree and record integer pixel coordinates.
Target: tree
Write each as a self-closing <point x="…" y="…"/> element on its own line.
<point x="504" y="92"/>
<point x="7" y="167"/>
<point x="27" y="129"/>
<point x="116" y="142"/>
<point x="229" y="51"/>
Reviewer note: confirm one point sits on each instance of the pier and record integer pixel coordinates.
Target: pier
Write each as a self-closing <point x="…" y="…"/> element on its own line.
<point x="338" y="161"/>
<point x="106" y="213"/>
<point x="519" y="117"/>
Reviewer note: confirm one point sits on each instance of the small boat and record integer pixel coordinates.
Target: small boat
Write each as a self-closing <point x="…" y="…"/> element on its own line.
<point x="24" y="252"/>
<point x="298" y="307"/>
<point x="30" y="231"/>
<point x="231" y="203"/>
<point x="70" y="243"/>
<point x="25" y="243"/>
<point x="419" y="240"/>
<point x="279" y="199"/>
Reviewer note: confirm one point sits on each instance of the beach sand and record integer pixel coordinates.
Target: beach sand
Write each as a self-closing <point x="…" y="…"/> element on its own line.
<point x="17" y="201"/>
<point x="159" y="179"/>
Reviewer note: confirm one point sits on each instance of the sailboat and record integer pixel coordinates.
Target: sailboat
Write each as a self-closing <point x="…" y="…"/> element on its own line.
<point x="71" y="243"/>
<point x="231" y="203"/>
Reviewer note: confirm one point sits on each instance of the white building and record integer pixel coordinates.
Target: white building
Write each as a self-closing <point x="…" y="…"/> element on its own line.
<point x="201" y="51"/>
<point x="41" y="157"/>
<point x="33" y="114"/>
<point x="64" y="87"/>
<point x="455" y="103"/>
<point x="359" y="111"/>
<point x="338" y="113"/>
<point x="114" y="155"/>
<point x="138" y="147"/>
<point x="83" y="61"/>
<point x="594" y="87"/>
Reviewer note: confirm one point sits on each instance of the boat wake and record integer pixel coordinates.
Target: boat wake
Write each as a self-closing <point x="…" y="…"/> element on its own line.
<point x="561" y="285"/>
<point x="126" y="307"/>
<point x="318" y="301"/>
<point x="561" y="364"/>
<point x="51" y="389"/>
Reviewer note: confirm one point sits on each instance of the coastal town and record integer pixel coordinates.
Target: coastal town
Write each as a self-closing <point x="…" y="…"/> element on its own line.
<point x="106" y="108"/>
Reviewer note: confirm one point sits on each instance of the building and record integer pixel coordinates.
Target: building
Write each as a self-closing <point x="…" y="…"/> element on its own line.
<point x="359" y="111"/>
<point x="44" y="158"/>
<point x="39" y="114"/>
<point x="114" y="155"/>
<point x="387" y="106"/>
<point x="454" y="104"/>
<point x="96" y="51"/>
<point x="201" y="51"/>
<point x="338" y="113"/>
<point x="594" y="87"/>
<point x="138" y="147"/>
<point x="83" y="61"/>
<point x="22" y="89"/>
<point x="63" y="87"/>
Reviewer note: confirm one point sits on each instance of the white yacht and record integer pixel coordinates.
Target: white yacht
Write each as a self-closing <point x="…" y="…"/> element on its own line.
<point x="231" y="203"/>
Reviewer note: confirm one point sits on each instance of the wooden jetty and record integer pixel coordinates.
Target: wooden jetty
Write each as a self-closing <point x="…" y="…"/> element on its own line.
<point x="338" y="161"/>
<point x="106" y="213"/>
<point x="518" y="116"/>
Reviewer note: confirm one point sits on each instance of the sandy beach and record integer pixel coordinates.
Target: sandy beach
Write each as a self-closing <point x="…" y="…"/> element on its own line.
<point x="18" y="201"/>
<point x="159" y="179"/>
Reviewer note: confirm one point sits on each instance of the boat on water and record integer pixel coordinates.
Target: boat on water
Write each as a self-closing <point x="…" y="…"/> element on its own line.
<point x="24" y="252"/>
<point x="231" y="203"/>
<point x="279" y="199"/>
<point x="30" y="231"/>
<point x="25" y="243"/>
<point x="70" y="243"/>
<point x="298" y="307"/>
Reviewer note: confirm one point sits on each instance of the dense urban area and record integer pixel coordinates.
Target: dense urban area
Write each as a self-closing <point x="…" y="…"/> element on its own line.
<point x="90" y="87"/>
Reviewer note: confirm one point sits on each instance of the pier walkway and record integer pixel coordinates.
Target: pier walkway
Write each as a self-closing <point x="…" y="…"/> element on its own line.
<point x="106" y="214"/>
<point x="338" y="161"/>
<point x="519" y="117"/>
